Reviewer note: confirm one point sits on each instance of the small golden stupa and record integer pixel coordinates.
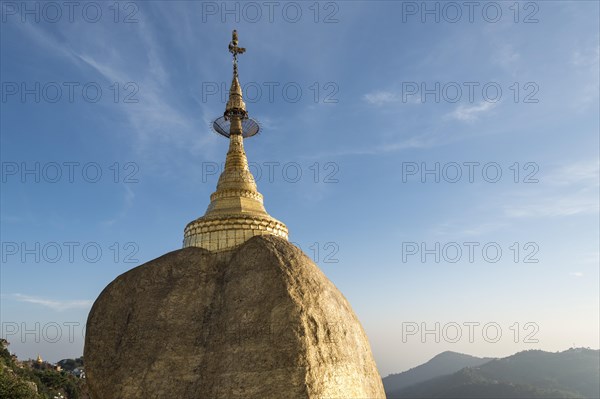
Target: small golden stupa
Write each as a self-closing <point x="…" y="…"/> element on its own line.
<point x="236" y="211"/>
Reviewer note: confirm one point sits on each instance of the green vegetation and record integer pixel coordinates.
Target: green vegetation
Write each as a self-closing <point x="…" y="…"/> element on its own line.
<point x="29" y="380"/>
<point x="71" y="364"/>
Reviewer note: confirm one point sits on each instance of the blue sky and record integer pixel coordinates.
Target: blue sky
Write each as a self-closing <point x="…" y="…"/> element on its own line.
<point x="108" y="108"/>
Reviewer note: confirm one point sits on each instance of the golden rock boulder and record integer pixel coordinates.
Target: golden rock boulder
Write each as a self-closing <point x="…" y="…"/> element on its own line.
<point x="259" y="321"/>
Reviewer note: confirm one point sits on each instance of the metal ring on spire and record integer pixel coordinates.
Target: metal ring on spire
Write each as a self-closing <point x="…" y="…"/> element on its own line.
<point x="250" y="127"/>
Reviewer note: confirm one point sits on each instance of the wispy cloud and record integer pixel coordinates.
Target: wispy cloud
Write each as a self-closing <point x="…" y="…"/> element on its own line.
<point x="461" y="229"/>
<point x="586" y="171"/>
<point x="128" y="199"/>
<point x="591" y="258"/>
<point x="386" y="97"/>
<point x="420" y="141"/>
<point x="471" y="113"/>
<point x="571" y="189"/>
<point x="157" y="119"/>
<point x="154" y="117"/>
<point x="569" y="205"/>
<point x="57" y="305"/>
<point x="585" y="62"/>
<point x="576" y="274"/>
<point x="381" y="98"/>
<point x="588" y="57"/>
<point x="506" y="56"/>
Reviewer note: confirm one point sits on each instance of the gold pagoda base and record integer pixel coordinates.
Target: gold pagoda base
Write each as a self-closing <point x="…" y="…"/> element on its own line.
<point x="226" y="232"/>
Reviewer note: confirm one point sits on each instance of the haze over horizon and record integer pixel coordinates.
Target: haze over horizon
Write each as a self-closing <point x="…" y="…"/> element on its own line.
<point x="442" y="171"/>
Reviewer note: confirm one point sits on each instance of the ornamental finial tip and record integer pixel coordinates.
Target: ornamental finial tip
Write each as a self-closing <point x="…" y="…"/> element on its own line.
<point x="233" y="45"/>
<point x="235" y="104"/>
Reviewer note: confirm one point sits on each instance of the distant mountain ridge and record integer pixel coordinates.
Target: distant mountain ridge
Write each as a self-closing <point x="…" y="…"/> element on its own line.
<point x="443" y="364"/>
<point x="574" y="373"/>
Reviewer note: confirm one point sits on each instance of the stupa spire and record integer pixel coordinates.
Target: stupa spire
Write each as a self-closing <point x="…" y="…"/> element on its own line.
<point x="236" y="211"/>
<point x="235" y="104"/>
